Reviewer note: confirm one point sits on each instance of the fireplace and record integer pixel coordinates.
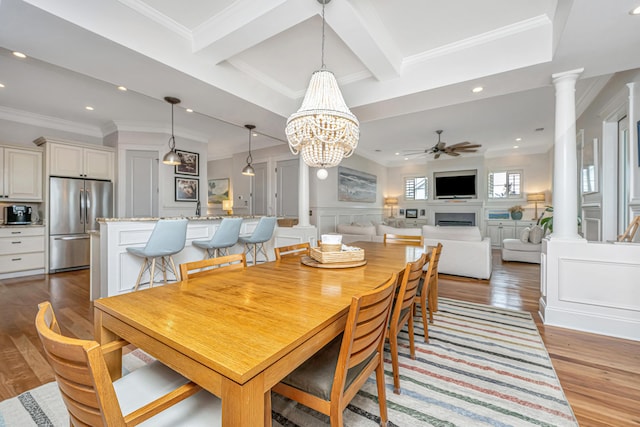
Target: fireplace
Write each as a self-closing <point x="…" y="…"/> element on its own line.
<point x="455" y="218"/>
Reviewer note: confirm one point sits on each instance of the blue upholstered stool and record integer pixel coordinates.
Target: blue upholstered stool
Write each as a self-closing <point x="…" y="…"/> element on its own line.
<point x="224" y="237"/>
<point x="261" y="234"/>
<point x="167" y="239"/>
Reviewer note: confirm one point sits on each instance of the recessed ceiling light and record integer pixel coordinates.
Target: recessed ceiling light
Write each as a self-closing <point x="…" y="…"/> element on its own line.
<point x="1" y="85"/>
<point x="397" y="154"/>
<point x="89" y="107"/>
<point x="518" y="139"/>
<point x="189" y="110"/>
<point x="19" y="55"/>
<point x="516" y="146"/>
<point x="477" y="89"/>
<point x="122" y="88"/>
<point x="254" y="134"/>
<point x="406" y="158"/>
<point x="635" y="11"/>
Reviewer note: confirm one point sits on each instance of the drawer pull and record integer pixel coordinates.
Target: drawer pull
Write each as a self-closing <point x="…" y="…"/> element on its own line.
<point x="16" y="232"/>
<point x="16" y="259"/>
<point x="16" y="243"/>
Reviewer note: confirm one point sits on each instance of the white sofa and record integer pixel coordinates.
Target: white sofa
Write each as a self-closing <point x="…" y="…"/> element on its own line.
<point x="465" y="252"/>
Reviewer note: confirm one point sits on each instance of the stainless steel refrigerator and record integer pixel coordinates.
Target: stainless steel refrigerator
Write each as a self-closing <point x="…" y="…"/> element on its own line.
<point x="74" y="205"/>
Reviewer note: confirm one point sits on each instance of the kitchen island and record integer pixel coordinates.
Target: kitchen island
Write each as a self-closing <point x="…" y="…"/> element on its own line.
<point x="114" y="270"/>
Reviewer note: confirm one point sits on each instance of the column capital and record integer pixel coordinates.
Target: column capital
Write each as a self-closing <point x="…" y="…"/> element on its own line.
<point x="567" y="75"/>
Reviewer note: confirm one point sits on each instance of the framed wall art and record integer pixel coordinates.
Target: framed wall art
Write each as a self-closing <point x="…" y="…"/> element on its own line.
<point x="356" y="186"/>
<point x="190" y="163"/>
<point x="187" y="189"/>
<point x="218" y="190"/>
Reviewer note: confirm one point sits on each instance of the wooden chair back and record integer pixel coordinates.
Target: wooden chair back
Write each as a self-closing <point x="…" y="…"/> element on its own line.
<point x="402" y="313"/>
<point x="631" y="230"/>
<point x="428" y="295"/>
<point x="293" y="250"/>
<point x="85" y="383"/>
<point x="362" y="340"/>
<point x="81" y="373"/>
<point x="404" y="239"/>
<point x="189" y="270"/>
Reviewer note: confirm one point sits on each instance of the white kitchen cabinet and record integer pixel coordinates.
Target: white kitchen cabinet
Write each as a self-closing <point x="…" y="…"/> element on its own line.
<point x="21" y="178"/>
<point x="78" y="161"/>
<point x="498" y="230"/>
<point x="21" y="250"/>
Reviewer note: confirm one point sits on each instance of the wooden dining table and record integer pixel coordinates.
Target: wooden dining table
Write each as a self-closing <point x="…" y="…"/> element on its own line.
<point x="239" y="333"/>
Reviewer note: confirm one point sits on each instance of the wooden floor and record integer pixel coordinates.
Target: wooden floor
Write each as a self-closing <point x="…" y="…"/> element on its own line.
<point x="600" y="375"/>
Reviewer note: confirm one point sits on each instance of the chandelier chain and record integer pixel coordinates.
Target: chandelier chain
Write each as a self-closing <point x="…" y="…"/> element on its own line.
<point x="322" y="54"/>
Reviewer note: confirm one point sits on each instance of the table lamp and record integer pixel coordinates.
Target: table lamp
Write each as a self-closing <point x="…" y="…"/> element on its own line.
<point x="391" y="201"/>
<point x="535" y="197"/>
<point x="227" y="205"/>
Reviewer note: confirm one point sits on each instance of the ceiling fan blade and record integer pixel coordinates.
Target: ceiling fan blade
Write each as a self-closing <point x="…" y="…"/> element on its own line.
<point x="436" y="156"/>
<point x="465" y="150"/>
<point x="460" y="144"/>
<point x="453" y="153"/>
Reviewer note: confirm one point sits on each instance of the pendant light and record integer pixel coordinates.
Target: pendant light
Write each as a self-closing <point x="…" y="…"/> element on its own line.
<point x="248" y="170"/>
<point x="323" y="131"/>
<point x="172" y="158"/>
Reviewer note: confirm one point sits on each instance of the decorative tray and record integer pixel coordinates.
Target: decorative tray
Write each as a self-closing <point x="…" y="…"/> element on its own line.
<point x="337" y="256"/>
<point x="310" y="262"/>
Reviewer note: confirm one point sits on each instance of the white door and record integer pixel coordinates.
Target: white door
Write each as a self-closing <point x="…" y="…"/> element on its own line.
<point x="142" y="184"/>
<point x="623" y="174"/>
<point x="287" y="191"/>
<point x="259" y="187"/>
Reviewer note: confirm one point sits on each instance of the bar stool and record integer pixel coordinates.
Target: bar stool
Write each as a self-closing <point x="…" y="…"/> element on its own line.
<point x="224" y="237"/>
<point x="262" y="233"/>
<point x="167" y="239"/>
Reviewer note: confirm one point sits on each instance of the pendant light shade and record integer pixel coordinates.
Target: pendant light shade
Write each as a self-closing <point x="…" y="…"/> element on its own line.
<point x="172" y="158"/>
<point x="248" y="169"/>
<point x="323" y="131"/>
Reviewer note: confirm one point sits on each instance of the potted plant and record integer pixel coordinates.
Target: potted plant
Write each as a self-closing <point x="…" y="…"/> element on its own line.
<point x="516" y="212"/>
<point x="546" y="222"/>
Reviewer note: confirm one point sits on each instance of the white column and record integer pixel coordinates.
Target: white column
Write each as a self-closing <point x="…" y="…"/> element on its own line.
<point x="303" y="194"/>
<point x="565" y="169"/>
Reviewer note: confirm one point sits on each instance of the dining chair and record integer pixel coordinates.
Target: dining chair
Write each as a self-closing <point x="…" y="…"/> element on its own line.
<point x="189" y="270"/>
<point x="403" y="239"/>
<point x="292" y="250"/>
<point x="402" y="313"/>
<point x="153" y="392"/>
<point x="330" y="379"/>
<point x="224" y="237"/>
<point x="167" y="239"/>
<point x="261" y="234"/>
<point x="427" y="295"/>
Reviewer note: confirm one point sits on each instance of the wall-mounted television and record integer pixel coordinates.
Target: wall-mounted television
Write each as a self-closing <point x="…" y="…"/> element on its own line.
<point x="456" y="184"/>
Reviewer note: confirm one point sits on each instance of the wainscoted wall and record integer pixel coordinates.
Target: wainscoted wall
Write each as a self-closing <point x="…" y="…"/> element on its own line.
<point x="591" y="287"/>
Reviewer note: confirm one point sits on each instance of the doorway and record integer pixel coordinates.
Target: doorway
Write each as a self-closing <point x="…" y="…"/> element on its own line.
<point x="287" y="188"/>
<point x="259" y="187"/>
<point x="142" y="184"/>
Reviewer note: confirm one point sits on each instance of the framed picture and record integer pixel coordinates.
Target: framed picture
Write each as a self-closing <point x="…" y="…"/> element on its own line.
<point x="356" y="186"/>
<point x="218" y="190"/>
<point x="423" y="212"/>
<point x="411" y="213"/>
<point x="190" y="163"/>
<point x="187" y="189"/>
<point x="401" y="211"/>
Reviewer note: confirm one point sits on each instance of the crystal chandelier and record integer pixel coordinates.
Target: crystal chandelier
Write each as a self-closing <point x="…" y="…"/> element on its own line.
<point x="323" y="130"/>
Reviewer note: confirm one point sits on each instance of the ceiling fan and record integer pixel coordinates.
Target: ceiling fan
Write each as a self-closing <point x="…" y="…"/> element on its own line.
<point x="442" y="148"/>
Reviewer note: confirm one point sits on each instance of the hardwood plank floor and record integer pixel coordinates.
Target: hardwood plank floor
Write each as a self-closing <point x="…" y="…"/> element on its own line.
<point x="600" y="375"/>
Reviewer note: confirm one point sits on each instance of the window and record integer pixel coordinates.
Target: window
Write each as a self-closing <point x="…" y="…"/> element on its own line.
<point x="504" y="185"/>
<point x="416" y="188"/>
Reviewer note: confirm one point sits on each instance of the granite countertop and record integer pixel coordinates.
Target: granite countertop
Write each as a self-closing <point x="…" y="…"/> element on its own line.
<point x="190" y="218"/>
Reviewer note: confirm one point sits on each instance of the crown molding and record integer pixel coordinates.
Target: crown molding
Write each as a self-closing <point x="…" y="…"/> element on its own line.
<point x="150" y="127"/>
<point x="33" y="119"/>
<point x="153" y="14"/>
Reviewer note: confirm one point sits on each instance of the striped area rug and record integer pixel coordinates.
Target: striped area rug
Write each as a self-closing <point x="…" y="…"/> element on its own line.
<point x="483" y="366"/>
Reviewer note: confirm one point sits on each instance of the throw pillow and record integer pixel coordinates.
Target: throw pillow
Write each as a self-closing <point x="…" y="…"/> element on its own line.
<point x="536" y="234"/>
<point x="524" y="236"/>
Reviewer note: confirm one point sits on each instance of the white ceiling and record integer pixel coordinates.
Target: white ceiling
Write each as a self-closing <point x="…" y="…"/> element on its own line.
<point x="406" y="68"/>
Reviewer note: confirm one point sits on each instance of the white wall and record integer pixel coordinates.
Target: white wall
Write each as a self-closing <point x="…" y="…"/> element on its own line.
<point x="23" y="134"/>
<point x="150" y="141"/>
